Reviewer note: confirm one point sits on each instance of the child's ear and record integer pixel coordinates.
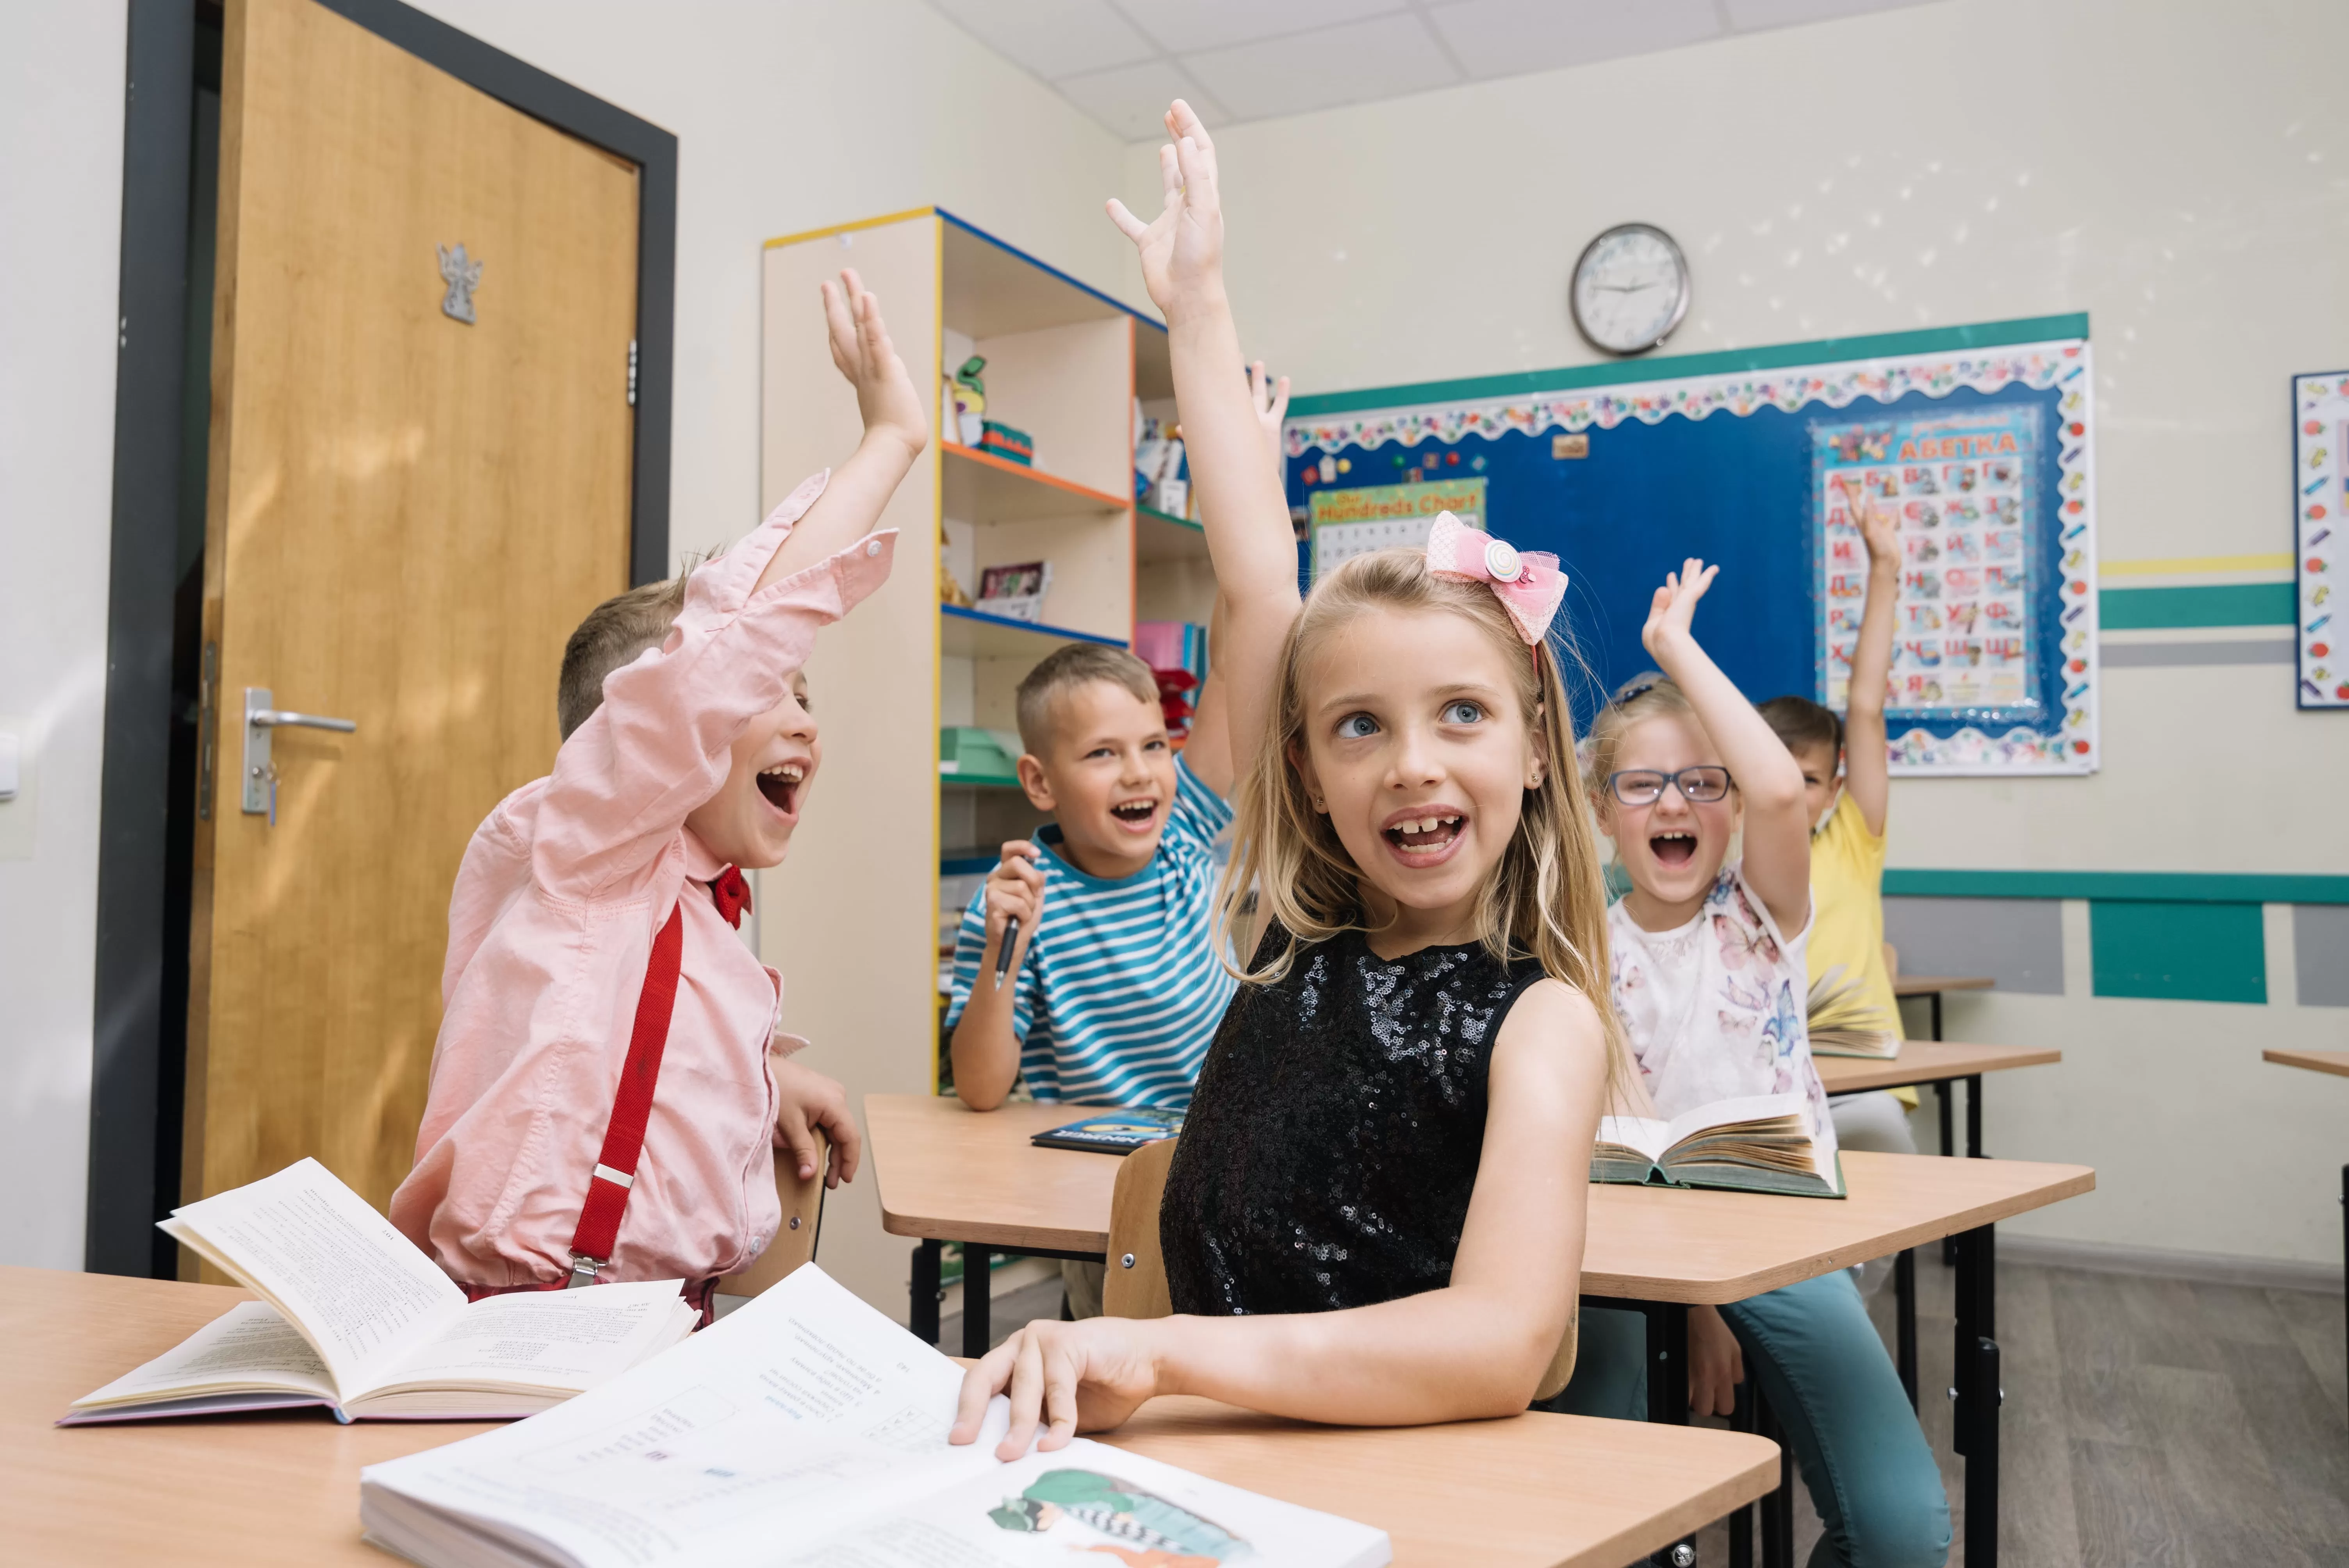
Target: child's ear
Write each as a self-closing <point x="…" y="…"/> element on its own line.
<point x="1032" y="779"/>
<point x="1302" y="760"/>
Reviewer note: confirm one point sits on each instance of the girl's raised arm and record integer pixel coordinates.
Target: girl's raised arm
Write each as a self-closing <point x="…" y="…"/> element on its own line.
<point x="1240" y="499"/>
<point x="1777" y="856"/>
<point x="1866" y="771"/>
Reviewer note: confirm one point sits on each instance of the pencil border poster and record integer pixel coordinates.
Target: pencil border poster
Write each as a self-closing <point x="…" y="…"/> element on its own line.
<point x="2062" y="742"/>
<point x="2320" y="503"/>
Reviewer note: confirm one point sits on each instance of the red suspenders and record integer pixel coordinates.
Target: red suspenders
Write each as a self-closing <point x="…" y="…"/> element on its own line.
<point x="624" y="1136"/>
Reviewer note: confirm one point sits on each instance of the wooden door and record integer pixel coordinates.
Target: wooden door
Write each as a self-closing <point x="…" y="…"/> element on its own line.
<point x="407" y="515"/>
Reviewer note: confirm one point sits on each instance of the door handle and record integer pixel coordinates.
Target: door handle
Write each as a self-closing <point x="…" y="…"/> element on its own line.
<point x="260" y="772"/>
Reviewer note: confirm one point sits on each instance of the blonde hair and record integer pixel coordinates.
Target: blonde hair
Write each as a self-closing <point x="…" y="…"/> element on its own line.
<point x="1544" y="901"/>
<point x="1650" y="696"/>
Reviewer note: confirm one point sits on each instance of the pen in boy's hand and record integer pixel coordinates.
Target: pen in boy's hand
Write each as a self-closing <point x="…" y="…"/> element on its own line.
<point x="1003" y="955"/>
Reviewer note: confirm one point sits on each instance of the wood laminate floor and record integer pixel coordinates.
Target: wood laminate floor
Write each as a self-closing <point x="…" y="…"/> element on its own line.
<point x="2148" y="1423"/>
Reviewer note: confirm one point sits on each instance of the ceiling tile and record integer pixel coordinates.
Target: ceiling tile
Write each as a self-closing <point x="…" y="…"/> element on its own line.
<point x="1357" y="63"/>
<point x="1184" y="25"/>
<point x="1051" y="38"/>
<point x="1131" y="99"/>
<point x="1752" y="15"/>
<point x="1510" y="37"/>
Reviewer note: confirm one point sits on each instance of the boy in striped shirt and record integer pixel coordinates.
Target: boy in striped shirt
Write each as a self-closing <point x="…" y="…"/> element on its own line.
<point x="1115" y="988"/>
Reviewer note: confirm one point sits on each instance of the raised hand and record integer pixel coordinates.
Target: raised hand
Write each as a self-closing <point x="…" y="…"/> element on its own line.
<point x="1877" y="528"/>
<point x="863" y="351"/>
<point x="1269" y="399"/>
<point x="1675" y="606"/>
<point x="1183" y="247"/>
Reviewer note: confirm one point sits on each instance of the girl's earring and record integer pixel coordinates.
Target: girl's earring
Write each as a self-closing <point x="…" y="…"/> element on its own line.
<point x="1320" y="805"/>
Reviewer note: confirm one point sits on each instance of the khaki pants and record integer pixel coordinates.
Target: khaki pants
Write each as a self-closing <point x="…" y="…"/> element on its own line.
<point x="1083" y="1282"/>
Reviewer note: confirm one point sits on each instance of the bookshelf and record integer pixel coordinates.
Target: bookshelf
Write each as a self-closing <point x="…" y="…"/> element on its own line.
<point x="851" y="918"/>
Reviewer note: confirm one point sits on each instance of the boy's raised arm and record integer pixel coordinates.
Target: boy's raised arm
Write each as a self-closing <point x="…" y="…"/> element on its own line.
<point x="1240" y="499"/>
<point x="896" y="429"/>
<point x="1867" y="772"/>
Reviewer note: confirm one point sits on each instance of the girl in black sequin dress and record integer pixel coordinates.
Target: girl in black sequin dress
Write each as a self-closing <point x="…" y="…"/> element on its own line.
<point x="1375" y="1212"/>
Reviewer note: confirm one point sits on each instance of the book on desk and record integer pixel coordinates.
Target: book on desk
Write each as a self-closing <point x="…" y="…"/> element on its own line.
<point x="807" y="1428"/>
<point x="1760" y="1143"/>
<point x="354" y="1317"/>
<point x="1114" y="1132"/>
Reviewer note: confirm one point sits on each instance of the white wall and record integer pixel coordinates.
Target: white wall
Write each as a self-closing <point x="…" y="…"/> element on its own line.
<point x="60" y="214"/>
<point x="2177" y="170"/>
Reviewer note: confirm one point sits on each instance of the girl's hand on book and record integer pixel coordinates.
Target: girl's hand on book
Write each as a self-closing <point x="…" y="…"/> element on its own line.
<point x="1068" y="1377"/>
<point x="1182" y="248"/>
<point x="1716" y="1364"/>
<point x="1674" y="607"/>
<point x="862" y="351"/>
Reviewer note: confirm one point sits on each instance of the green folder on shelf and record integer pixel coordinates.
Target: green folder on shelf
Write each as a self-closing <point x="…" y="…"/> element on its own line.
<point x="1762" y="1143"/>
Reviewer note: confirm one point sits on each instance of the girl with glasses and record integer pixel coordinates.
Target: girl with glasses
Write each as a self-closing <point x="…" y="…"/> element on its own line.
<point x="1708" y="970"/>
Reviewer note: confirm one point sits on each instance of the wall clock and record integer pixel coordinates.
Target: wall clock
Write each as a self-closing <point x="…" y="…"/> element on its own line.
<point x="1630" y="288"/>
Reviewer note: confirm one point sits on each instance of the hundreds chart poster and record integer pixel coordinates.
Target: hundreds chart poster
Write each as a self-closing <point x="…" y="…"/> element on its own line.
<point x="1963" y="492"/>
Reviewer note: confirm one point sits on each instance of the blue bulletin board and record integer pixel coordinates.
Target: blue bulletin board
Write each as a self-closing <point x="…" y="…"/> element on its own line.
<point x="1978" y="438"/>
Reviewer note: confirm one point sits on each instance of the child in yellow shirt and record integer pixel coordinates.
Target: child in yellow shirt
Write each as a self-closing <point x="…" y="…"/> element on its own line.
<point x="1846" y="785"/>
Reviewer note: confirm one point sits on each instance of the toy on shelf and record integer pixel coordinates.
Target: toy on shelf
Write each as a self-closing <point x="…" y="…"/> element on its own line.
<point x="1177" y="653"/>
<point x="998" y="440"/>
<point x="1161" y="473"/>
<point x="962" y="410"/>
<point x="1015" y="593"/>
<point x="950" y="591"/>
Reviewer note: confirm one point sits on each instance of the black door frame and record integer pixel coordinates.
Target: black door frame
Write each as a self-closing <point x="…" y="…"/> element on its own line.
<point x="127" y="1058"/>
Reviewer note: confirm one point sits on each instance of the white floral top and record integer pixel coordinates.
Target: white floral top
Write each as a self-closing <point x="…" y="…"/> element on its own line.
<point x="1715" y="1009"/>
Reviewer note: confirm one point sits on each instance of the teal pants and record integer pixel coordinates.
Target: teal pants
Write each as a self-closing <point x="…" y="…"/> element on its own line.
<point x="1837" y="1399"/>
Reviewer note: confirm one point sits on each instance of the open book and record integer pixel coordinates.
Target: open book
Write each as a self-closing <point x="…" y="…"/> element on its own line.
<point x="354" y="1317"/>
<point x="1763" y="1144"/>
<point x="1842" y="1021"/>
<point x="807" y="1428"/>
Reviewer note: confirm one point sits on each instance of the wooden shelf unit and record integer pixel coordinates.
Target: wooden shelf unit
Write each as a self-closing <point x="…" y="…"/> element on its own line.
<point x="851" y="920"/>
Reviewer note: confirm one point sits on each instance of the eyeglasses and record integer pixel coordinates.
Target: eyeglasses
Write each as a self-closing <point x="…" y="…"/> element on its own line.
<point x="1643" y="787"/>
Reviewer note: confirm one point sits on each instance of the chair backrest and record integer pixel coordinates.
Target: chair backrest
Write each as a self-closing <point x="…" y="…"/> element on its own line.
<point x="1136" y="1286"/>
<point x="794" y="1242"/>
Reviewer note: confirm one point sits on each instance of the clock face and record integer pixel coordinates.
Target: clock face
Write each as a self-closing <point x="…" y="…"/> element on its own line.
<point x="1630" y="288"/>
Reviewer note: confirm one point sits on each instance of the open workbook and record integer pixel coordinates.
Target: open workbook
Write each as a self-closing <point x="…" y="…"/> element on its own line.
<point x="1762" y="1143"/>
<point x="807" y="1428"/>
<point x="1843" y="1022"/>
<point x="354" y="1317"/>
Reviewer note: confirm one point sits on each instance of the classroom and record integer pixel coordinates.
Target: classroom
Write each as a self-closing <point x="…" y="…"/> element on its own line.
<point x="1500" y="782"/>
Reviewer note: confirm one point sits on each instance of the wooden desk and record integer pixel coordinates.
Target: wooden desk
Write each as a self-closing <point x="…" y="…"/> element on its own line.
<point x="2337" y="1064"/>
<point x="949" y="1173"/>
<point x="1930" y="986"/>
<point x="259" y="1491"/>
<point x="1940" y="1063"/>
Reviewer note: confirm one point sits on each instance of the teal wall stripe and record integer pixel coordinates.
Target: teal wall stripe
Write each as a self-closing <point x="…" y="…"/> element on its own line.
<point x="2178" y="952"/>
<point x="2120" y="887"/>
<point x="1624" y="371"/>
<point x="2222" y="604"/>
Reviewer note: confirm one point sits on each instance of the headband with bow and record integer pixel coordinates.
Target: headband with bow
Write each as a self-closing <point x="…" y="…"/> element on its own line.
<point x="1527" y="583"/>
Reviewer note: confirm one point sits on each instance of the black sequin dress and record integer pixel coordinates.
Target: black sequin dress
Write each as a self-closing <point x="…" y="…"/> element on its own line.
<point x="1328" y="1154"/>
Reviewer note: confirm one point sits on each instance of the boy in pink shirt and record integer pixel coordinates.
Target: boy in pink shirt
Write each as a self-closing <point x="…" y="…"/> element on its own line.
<point x="689" y="752"/>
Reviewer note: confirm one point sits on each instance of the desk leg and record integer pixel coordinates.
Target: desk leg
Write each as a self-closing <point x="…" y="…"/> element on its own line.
<point x="1777" y="1507"/>
<point x="1973" y="1119"/>
<point x="977" y="1288"/>
<point x="1934" y="999"/>
<point x="1974" y="1426"/>
<point x="1741" y="1524"/>
<point x="1904" y="1321"/>
<point x="922" y="1310"/>
<point x="1668" y="1392"/>
<point x="1942" y="1092"/>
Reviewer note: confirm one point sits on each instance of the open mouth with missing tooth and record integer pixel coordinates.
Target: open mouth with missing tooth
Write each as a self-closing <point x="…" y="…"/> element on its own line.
<point x="1135" y="814"/>
<point x="1430" y="832"/>
<point x="1673" y="849"/>
<point x="780" y="786"/>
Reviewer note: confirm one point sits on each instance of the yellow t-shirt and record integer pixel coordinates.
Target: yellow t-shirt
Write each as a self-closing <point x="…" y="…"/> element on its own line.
<point x="1851" y="991"/>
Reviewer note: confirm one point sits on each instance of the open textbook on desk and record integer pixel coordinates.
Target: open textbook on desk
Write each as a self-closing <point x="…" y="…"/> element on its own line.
<point x="1760" y="1143"/>
<point x="354" y="1317"/>
<point x="807" y="1428"/>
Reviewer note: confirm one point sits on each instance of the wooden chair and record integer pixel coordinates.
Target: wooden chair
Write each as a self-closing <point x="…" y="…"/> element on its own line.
<point x="1136" y="1286"/>
<point x="795" y="1243"/>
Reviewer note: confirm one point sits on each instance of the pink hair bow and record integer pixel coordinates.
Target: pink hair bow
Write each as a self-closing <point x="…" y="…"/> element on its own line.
<point x="1528" y="583"/>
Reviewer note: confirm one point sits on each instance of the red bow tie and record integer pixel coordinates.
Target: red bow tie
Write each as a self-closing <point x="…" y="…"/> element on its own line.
<point x="731" y="893"/>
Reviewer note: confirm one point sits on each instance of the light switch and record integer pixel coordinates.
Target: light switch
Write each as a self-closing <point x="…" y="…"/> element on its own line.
<point x="11" y="771"/>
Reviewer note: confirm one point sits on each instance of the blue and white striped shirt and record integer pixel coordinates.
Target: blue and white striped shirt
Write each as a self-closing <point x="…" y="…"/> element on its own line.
<point x="1120" y="993"/>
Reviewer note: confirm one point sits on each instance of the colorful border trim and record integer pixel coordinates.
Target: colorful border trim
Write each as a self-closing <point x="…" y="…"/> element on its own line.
<point x="2070" y="746"/>
<point x="2320" y="505"/>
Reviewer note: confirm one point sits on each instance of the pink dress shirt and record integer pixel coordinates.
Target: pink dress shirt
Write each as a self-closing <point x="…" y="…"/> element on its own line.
<point x="549" y="933"/>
